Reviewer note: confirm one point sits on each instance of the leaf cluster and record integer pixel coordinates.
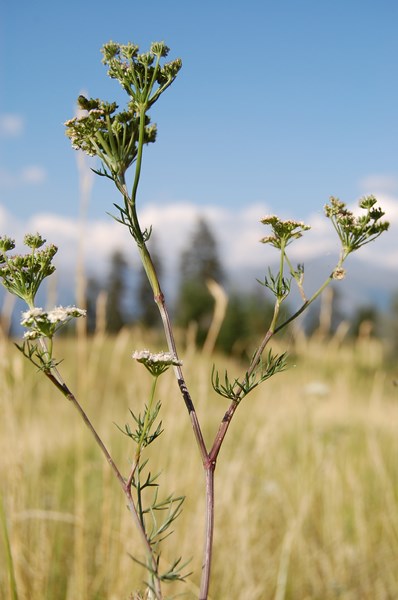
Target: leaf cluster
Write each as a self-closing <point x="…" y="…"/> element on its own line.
<point x="279" y="285"/>
<point x="39" y="356"/>
<point x="157" y="516"/>
<point x="236" y="389"/>
<point x="140" y="236"/>
<point x="143" y="434"/>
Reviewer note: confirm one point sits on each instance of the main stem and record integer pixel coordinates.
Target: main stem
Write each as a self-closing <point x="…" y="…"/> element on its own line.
<point x="150" y="270"/>
<point x="155" y="284"/>
<point x="209" y="465"/>
<point x="209" y="531"/>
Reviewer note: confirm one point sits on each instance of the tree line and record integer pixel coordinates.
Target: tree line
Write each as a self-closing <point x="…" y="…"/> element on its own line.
<point x="129" y="299"/>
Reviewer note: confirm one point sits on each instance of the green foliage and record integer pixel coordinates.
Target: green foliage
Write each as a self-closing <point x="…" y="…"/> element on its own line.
<point x="199" y="262"/>
<point x="155" y="515"/>
<point x="116" y="292"/>
<point x="246" y="315"/>
<point x="143" y="433"/>
<point x="195" y="305"/>
<point x="237" y="389"/>
<point x="279" y="286"/>
<point x="200" y="259"/>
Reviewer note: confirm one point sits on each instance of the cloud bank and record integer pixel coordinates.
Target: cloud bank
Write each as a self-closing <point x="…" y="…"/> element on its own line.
<point x="28" y="175"/>
<point x="237" y="232"/>
<point x="11" y="125"/>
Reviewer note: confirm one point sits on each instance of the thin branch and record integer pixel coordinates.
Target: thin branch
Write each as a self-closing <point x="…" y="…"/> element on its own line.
<point x="63" y="388"/>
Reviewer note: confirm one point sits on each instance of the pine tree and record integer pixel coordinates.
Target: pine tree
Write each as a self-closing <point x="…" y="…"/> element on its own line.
<point x="199" y="262"/>
<point x="116" y="289"/>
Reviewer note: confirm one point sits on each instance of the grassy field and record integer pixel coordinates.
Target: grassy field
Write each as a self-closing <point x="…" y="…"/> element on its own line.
<point x="306" y="484"/>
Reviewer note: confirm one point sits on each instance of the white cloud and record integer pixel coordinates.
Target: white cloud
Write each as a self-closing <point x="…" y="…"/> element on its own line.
<point x="11" y="125"/>
<point x="8" y="224"/>
<point x="33" y="174"/>
<point x="376" y="184"/>
<point x="95" y="242"/>
<point x="237" y="231"/>
<point x="30" y="174"/>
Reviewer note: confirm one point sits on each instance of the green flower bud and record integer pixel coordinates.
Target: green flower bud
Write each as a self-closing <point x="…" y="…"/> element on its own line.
<point x="34" y="241"/>
<point x="159" y="49"/>
<point x="110" y="51"/>
<point x="129" y="50"/>
<point x="6" y="243"/>
<point x="367" y="202"/>
<point x="146" y="59"/>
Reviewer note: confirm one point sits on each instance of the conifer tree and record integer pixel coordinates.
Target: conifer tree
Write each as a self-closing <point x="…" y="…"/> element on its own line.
<point x="199" y="262"/>
<point x="116" y="289"/>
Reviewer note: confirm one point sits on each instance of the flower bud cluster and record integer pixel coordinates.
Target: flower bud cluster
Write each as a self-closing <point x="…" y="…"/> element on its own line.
<point x="45" y="323"/>
<point x="356" y="231"/>
<point x="138" y="73"/>
<point x="114" y="136"/>
<point x="283" y="232"/>
<point x="111" y="136"/>
<point x="22" y="274"/>
<point x="156" y="363"/>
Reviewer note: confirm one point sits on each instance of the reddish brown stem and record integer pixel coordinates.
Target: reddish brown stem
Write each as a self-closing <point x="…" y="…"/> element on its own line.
<point x="160" y="301"/>
<point x="209" y="531"/>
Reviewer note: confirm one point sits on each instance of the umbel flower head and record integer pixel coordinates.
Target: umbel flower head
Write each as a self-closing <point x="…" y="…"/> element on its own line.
<point x="140" y="75"/>
<point x="156" y="363"/>
<point x="353" y="231"/>
<point x="45" y="323"/>
<point x="22" y="274"/>
<point x="283" y="232"/>
<point x="114" y="136"/>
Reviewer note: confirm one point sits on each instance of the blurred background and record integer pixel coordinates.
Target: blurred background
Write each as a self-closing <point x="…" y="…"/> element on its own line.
<point x="278" y="106"/>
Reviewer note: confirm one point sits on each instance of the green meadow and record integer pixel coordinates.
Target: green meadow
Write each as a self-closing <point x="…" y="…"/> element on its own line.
<point x="306" y="482"/>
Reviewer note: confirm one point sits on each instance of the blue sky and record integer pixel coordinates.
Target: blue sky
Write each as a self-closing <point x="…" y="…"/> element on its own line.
<point x="278" y="106"/>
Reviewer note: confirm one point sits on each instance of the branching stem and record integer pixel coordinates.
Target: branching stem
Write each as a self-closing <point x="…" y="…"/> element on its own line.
<point x="126" y="487"/>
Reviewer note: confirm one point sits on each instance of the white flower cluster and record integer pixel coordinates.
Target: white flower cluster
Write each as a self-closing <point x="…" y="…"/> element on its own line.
<point x="44" y="323"/>
<point x="162" y="358"/>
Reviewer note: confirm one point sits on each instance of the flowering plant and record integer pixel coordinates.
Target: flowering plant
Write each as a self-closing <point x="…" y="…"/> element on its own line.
<point x="117" y="139"/>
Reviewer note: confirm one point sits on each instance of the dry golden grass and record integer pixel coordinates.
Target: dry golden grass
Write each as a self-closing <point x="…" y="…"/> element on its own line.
<point x="306" y="484"/>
